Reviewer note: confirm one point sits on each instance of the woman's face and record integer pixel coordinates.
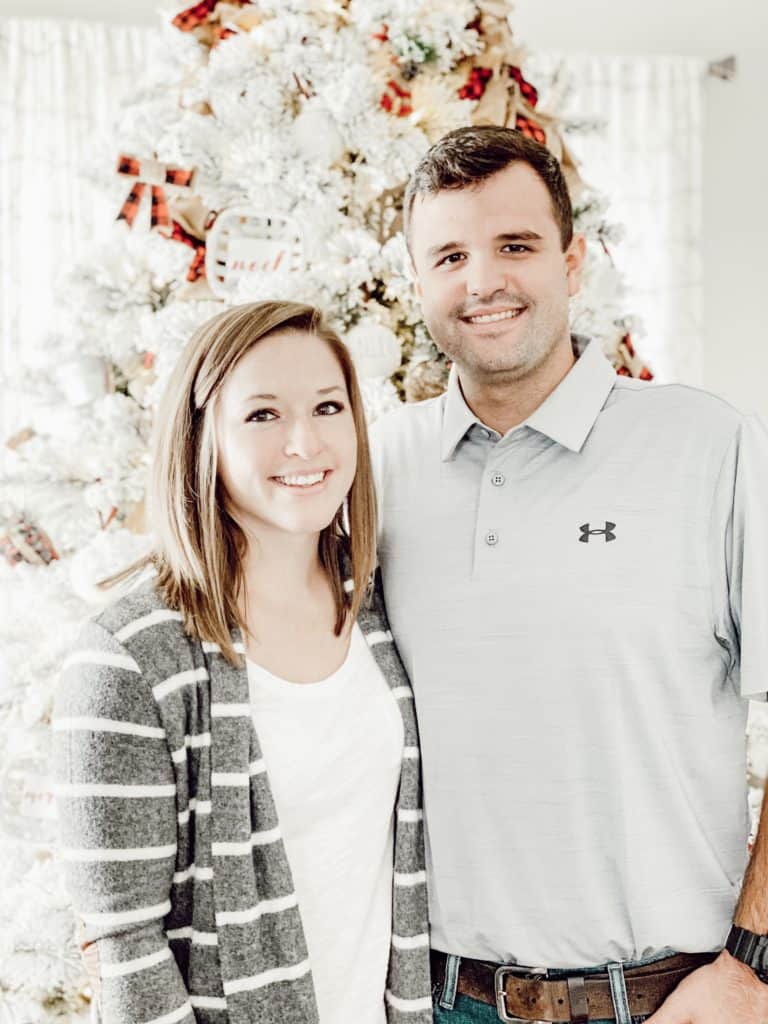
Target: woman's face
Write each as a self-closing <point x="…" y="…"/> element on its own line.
<point x="287" y="444"/>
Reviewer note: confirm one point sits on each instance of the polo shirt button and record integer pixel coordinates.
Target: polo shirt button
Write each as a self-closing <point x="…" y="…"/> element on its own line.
<point x="498" y="479"/>
<point x="491" y="538"/>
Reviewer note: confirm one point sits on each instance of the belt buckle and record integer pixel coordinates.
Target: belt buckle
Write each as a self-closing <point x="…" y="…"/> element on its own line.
<point x="501" y="995"/>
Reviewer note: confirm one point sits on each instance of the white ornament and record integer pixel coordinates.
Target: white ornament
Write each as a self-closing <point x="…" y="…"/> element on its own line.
<point x="244" y="243"/>
<point x="84" y="379"/>
<point x="317" y="135"/>
<point x="375" y="349"/>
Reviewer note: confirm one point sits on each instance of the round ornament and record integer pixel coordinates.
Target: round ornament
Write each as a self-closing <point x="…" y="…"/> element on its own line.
<point x="84" y="379"/>
<point x="317" y="134"/>
<point x="244" y="241"/>
<point x="375" y="349"/>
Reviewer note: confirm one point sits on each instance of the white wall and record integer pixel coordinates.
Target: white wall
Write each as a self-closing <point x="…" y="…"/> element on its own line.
<point x="735" y="153"/>
<point x="735" y="156"/>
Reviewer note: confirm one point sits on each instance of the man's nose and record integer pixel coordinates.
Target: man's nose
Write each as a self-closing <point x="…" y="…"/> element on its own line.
<point x="485" y="277"/>
<point x="303" y="439"/>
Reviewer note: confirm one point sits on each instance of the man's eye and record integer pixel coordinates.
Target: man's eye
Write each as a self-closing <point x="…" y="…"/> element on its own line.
<point x="261" y="416"/>
<point x="452" y="257"/>
<point x="329" y="408"/>
<point x="516" y="247"/>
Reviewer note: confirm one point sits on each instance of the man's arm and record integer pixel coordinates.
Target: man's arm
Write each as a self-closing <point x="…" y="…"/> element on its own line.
<point x="727" y="991"/>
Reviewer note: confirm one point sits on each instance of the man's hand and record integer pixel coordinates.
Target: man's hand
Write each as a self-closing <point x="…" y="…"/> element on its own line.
<point x="723" y="992"/>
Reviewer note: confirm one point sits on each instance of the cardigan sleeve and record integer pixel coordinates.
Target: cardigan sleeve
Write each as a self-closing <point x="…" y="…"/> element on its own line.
<point x="116" y="800"/>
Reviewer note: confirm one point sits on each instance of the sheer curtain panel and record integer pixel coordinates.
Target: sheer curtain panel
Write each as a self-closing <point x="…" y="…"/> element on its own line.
<point x="647" y="161"/>
<point x="60" y="86"/>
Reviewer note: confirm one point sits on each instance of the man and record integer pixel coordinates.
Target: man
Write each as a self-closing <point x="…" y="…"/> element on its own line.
<point x="576" y="571"/>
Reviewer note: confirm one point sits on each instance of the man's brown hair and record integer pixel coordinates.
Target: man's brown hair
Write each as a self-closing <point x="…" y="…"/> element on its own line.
<point x="468" y="156"/>
<point x="198" y="546"/>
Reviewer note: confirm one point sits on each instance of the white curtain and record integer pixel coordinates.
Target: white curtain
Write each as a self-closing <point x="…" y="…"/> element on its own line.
<point x="60" y="85"/>
<point x="647" y="160"/>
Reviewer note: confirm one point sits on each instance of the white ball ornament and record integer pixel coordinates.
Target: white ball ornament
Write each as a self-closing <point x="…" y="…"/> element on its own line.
<point x="84" y="379"/>
<point x="317" y="135"/>
<point x="375" y="349"/>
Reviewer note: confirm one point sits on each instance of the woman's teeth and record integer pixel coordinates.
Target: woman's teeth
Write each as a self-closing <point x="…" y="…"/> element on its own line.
<point x="301" y="481"/>
<point x="492" y="318"/>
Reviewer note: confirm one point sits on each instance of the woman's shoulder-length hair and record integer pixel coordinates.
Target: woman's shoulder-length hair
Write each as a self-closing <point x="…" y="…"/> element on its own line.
<point x="198" y="547"/>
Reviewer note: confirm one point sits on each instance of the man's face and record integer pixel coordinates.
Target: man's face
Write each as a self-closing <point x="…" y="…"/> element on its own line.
<point x="493" y="280"/>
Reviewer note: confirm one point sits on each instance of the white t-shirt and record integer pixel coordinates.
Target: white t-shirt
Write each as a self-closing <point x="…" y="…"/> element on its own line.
<point x="333" y="751"/>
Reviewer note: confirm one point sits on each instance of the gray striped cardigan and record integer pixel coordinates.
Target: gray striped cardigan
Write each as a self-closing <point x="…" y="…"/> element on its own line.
<point x="171" y="841"/>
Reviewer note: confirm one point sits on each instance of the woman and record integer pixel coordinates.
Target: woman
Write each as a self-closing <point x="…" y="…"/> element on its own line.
<point x="233" y="735"/>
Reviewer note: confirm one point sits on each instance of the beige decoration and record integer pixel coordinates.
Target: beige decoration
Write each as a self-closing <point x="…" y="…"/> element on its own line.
<point x="84" y="379"/>
<point x="21" y="437"/>
<point x="135" y="517"/>
<point x="191" y="213"/>
<point x="244" y="241"/>
<point x="427" y="378"/>
<point x="375" y="349"/>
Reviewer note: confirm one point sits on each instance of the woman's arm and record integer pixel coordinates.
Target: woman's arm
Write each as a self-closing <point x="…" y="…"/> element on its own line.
<point x="116" y="798"/>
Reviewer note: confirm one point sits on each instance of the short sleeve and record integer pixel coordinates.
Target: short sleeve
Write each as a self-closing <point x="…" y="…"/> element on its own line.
<point x="739" y="558"/>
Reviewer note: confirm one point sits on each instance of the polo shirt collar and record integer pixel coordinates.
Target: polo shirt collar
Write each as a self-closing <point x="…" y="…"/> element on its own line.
<point x="566" y="416"/>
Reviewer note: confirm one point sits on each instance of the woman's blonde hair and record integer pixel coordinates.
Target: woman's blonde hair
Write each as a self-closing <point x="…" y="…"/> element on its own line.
<point x="199" y="547"/>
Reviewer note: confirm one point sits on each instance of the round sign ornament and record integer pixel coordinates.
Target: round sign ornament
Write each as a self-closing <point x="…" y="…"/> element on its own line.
<point x="243" y="242"/>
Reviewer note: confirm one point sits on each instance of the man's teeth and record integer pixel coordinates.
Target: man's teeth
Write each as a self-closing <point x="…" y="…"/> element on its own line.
<point x="492" y="318"/>
<point x="301" y="481"/>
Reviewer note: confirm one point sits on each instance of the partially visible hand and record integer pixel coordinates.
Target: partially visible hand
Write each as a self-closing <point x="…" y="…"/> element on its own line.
<point x="89" y="953"/>
<point x="723" y="992"/>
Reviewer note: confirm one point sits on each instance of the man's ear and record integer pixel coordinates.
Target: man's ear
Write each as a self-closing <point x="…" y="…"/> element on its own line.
<point x="575" y="255"/>
<point x="410" y="270"/>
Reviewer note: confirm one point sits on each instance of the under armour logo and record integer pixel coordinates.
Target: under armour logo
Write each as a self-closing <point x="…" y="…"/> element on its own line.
<point x="608" y="533"/>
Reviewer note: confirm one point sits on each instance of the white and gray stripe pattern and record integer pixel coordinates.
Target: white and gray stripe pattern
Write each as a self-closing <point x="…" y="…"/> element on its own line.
<point x="170" y="838"/>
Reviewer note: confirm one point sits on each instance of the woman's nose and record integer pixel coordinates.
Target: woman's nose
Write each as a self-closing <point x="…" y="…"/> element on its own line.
<point x="303" y="439"/>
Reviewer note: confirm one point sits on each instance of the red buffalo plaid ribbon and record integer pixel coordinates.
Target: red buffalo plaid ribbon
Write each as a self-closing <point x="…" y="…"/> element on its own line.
<point x="191" y="18"/>
<point x="531" y="129"/>
<point x="527" y="91"/>
<point x="197" y="266"/>
<point x="158" y="174"/>
<point x="396" y="99"/>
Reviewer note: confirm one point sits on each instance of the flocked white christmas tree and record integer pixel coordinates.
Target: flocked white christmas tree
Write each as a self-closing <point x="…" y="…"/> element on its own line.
<point x="263" y="154"/>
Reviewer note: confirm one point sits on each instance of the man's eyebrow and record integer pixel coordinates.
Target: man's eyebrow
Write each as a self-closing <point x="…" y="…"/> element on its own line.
<point x="519" y="236"/>
<point x="273" y="398"/>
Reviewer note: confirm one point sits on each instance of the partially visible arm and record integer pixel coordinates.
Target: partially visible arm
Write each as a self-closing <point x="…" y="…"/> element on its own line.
<point x="752" y="908"/>
<point x="117" y="811"/>
<point x="728" y="990"/>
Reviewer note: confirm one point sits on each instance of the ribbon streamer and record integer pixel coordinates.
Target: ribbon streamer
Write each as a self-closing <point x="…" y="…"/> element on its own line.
<point x="197" y="266"/>
<point x="158" y="176"/>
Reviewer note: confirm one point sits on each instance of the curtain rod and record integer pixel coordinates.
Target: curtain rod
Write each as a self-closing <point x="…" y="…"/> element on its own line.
<point x="726" y="68"/>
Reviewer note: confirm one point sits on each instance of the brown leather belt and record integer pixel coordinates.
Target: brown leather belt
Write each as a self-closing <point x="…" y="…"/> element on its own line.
<point x="521" y="995"/>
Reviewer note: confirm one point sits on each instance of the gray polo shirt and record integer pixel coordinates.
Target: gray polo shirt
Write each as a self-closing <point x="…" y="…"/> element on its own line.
<point x="581" y="605"/>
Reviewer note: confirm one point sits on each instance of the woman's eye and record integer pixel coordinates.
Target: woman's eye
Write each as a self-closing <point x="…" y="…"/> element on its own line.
<point x="329" y="408"/>
<point x="261" y="416"/>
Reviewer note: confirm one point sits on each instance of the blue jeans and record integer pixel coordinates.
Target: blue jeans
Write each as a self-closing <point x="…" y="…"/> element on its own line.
<point x="471" y="1011"/>
<point x="450" y="1007"/>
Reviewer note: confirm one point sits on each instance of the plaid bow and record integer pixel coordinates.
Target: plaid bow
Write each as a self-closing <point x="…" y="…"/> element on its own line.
<point x="156" y="175"/>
